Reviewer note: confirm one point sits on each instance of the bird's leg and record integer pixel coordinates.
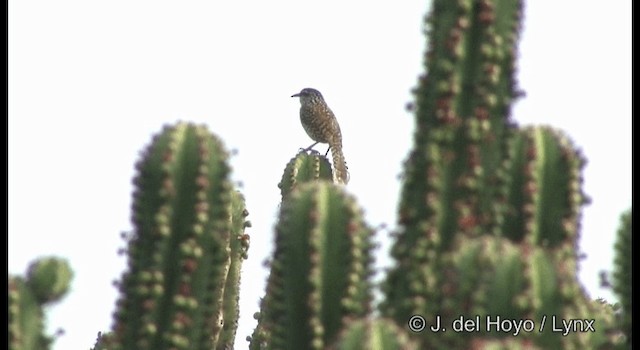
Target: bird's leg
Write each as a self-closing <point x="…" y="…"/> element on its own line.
<point x="310" y="147"/>
<point x="328" y="149"/>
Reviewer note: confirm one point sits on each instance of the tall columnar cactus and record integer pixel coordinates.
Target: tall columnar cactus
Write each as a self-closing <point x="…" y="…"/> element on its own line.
<point x="180" y="253"/>
<point x="462" y="120"/>
<point x="320" y="273"/>
<point x="622" y="272"/>
<point x="303" y="168"/>
<point x="489" y="214"/>
<point x="455" y="174"/>
<point x="47" y="281"/>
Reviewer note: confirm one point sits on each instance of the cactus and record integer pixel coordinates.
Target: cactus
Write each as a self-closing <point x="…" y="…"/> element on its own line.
<point x="462" y="124"/>
<point x="47" y="281"/>
<point x="104" y="341"/>
<point x="481" y="277"/>
<point x="502" y="344"/>
<point x="180" y="255"/>
<point x="489" y="213"/>
<point x="488" y="226"/>
<point x="622" y="273"/>
<point x="545" y="188"/>
<point x="320" y="271"/>
<point x="462" y="121"/>
<point x="376" y="334"/>
<point x="302" y="168"/>
<point x="462" y="127"/>
<point x="239" y="243"/>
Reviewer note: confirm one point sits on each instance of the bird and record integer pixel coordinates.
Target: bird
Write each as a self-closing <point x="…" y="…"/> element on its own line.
<point x="322" y="127"/>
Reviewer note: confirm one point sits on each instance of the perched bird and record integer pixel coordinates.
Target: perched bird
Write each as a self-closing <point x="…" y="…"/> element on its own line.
<point x="322" y="126"/>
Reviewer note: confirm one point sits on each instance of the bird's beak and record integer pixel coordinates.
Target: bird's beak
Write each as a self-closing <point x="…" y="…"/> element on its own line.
<point x="295" y="95"/>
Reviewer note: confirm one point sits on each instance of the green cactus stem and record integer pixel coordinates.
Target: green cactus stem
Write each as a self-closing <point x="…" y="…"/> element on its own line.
<point x="503" y="344"/>
<point x="303" y="168"/>
<point x="454" y="176"/>
<point x="491" y="279"/>
<point x="376" y="334"/>
<point x="179" y="255"/>
<point x="239" y="243"/>
<point x="104" y="341"/>
<point x="320" y="272"/>
<point x="480" y="277"/>
<point x="47" y="281"/>
<point x="545" y="188"/>
<point x="605" y="333"/>
<point x="462" y="120"/>
<point x="622" y="272"/>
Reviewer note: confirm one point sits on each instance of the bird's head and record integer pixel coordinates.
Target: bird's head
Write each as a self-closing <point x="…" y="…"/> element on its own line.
<point x="309" y="95"/>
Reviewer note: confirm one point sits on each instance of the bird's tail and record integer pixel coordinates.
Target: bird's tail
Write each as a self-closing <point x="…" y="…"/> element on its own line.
<point x="341" y="172"/>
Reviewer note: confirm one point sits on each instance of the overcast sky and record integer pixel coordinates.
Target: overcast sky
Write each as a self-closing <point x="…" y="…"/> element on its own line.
<point x="90" y="82"/>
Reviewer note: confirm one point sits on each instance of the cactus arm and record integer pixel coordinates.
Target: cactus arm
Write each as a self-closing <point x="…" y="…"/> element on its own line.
<point x="320" y="272"/>
<point x="179" y="258"/>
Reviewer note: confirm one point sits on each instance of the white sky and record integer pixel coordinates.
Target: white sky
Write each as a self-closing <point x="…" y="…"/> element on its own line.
<point x="90" y="82"/>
